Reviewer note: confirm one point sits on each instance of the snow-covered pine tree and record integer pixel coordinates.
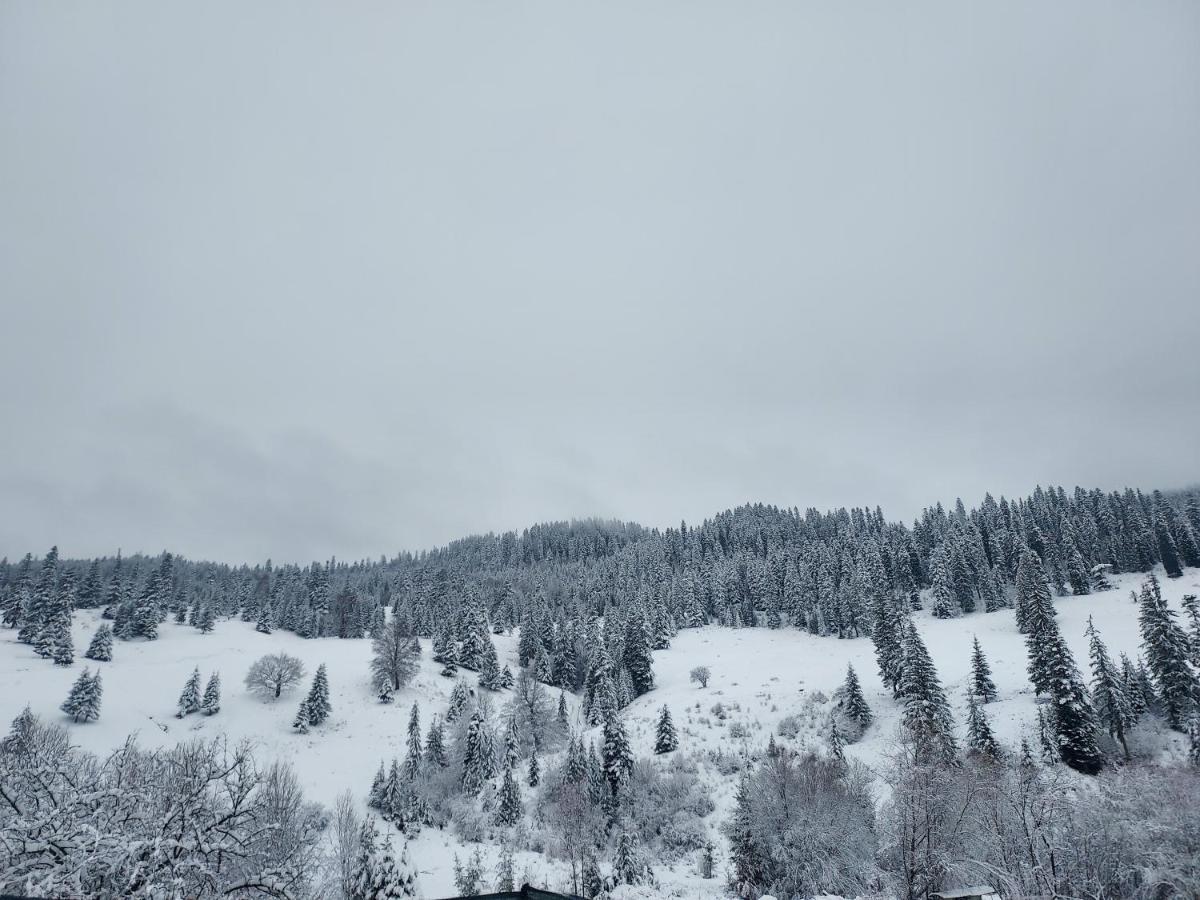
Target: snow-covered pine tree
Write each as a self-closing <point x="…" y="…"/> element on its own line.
<point x="563" y="719"/>
<point x="412" y="760"/>
<point x="1033" y="591"/>
<point x="189" y="698"/>
<point x="266" y="618"/>
<point x="100" y="648"/>
<point x="535" y="770"/>
<point x="980" y="740"/>
<point x="837" y="744"/>
<point x="853" y="701"/>
<point x="982" y="685"/>
<point x="665" y="739"/>
<point x="301" y="722"/>
<point x="435" y="745"/>
<point x="638" y="659"/>
<point x="211" y="704"/>
<point x="1113" y="709"/>
<point x="944" y="604"/>
<point x="889" y="614"/>
<point x="460" y="694"/>
<point x="479" y="762"/>
<point x="508" y="804"/>
<point x="375" y="795"/>
<point x="628" y="866"/>
<point x="1168" y="652"/>
<point x="319" y="706"/>
<point x="1073" y="716"/>
<point x="1133" y="685"/>
<point x="83" y="702"/>
<point x="617" y="755"/>
<point x="926" y="712"/>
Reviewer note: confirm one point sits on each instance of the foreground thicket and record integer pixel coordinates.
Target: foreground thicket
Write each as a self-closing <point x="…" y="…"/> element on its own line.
<point x="198" y="820"/>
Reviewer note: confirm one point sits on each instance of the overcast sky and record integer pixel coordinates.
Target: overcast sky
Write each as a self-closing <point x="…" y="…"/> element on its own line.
<point x="295" y="280"/>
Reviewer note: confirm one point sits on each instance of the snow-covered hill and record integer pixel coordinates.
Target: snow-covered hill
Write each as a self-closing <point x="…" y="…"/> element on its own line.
<point x="761" y="679"/>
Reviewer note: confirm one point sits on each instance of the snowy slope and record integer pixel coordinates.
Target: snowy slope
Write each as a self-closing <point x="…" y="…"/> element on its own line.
<point x="759" y="676"/>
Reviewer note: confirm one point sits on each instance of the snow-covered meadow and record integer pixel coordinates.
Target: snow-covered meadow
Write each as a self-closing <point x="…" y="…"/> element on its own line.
<point x="760" y="679"/>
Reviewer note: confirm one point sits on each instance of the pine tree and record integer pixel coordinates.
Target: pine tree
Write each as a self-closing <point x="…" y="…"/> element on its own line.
<point x="378" y="874"/>
<point x="1033" y="591"/>
<point x="926" y="711"/>
<point x="62" y="647"/>
<point x="479" y="760"/>
<point x="319" y="706"/>
<point x="982" y="685"/>
<point x="837" y="744"/>
<point x="563" y="720"/>
<point x="412" y="761"/>
<point x="887" y="634"/>
<point x="435" y="746"/>
<point x="1042" y="637"/>
<point x="376" y="795"/>
<point x="665" y="738"/>
<point x="1167" y="655"/>
<point x="508" y="804"/>
<point x="1073" y="716"/>
<point x="1113" y="709"/>
<point x="100" y="648"/>
<point x="189" y="699"/>
<point x="459" y="696"/>
<point x="853" y="701"/>
<point x="980" y="740"/>
<point x="211" y="704"/>
<point x="944" y="606"/>
<point x="617" y="755"/>
<point x="535" y="770"/>
<point x="83" y="702"/>
<point x="628" y="867"/>
<point x="302" y="721"/>
<point x="637" y="657"/>
<point x="265" y="618"/>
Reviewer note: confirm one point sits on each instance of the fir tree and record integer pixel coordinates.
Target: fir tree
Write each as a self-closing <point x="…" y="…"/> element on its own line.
<point x="617" y="756"/>
<point x="926" y="711"/>
<point x="302" y="721"/>
<point x="837" y="744"/>
<point x="62" y="647"/>
<point x="887" y="634"/>
<point x="1073" y="716"/>
<point x="265" y="618"/>
<point x="1033" y="591"/>
<point x="1167" y="655"/>
<point x="478" y="761"/>
<point x="982" y="685"/>
<point x="100" y="648"/>
<point x="665" y="739"/>
<point x="628" y="867"/>
<point x="1113" y="709"/>
<point x="637" y="656"/>
<point x="189" y="699"/>
<point x="83" y="702"/>
<point x="563" y="720"/>
<point x="375" y="796"/>
<point x="319" y="706"/>
<point x="853" y="701"/>
<point x="412" y="761"/>
<point x="435" y="746"/>
<point x="508" y="804"/>
<point x="535" y="770"/>
<point x="211" y="704"/>
<point x="980" y="740"/>
<point x="459" y="696"/>
<point x="944" y="606"/>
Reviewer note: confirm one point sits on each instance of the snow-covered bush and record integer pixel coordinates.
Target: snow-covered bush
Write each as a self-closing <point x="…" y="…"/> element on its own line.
<point x="665" y="804"/>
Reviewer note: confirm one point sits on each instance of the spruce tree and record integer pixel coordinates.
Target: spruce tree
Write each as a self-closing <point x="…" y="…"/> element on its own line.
<point x="265" y="618"/>
<point x="535" y="770"/>
<point x="375" y="796"/>
<point x="1073" y="716"/>
<point x="478" y="760"/>
<point x="982" y="685"/>
<point x="189" y="699"/>
<point x="412" y="761"/>
<point x="301" y="722"/>
<point x="944" y="605"/>
<point x="637" y="657"/>
<point x="211" y="704"/>
<point x="319" y="706"/>
<point x="890" y="616"/>
<point x="853" y="701"/>
<point x="1033" y="591"/>
<point x="628" y="867"/>
<point x="617" y="755"/>
<point x="980" y="740"/>
<point x="563" y="719"/>
<point x="837" y="744"/>
<point x="435" y="746"/>
<point x="508" y="804"/>
<point x="459" y="695"/>
<point x="83" y="702"/>
<point x="1167" y="655"/>
<point x="665" y="739"/>
<point x="100" y="648"/>
<point x="62" y="647"/>
<point x="926" y="712"/>
<point x="1113" y="710"/>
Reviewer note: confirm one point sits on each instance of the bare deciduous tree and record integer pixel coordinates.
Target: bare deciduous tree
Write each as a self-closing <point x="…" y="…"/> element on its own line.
<point x="274" y="673"/>
<point x="700" y="675"/>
